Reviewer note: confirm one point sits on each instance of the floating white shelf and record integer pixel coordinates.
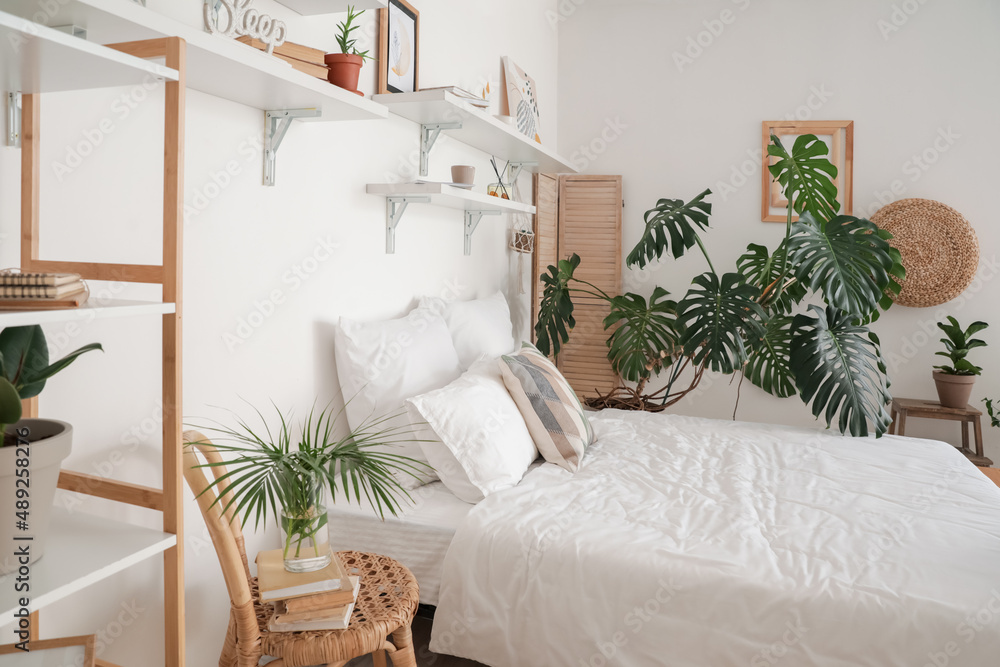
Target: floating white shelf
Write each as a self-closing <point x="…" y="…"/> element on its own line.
<point x="476" y="205"/>
<point x="430" y="108"/>
<point x="316" y="7"/>
<point x="38" y="59"/>
<point x="94" y="309"/>
<point x="215" y="65"/>
<point x="82" y="550"/>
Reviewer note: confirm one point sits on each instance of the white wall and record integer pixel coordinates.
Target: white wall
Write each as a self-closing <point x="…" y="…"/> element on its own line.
<point x="906" y="72"/>
<point x="243" y="242"/>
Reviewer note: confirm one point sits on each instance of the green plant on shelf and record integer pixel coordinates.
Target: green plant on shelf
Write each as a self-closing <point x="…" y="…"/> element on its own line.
<point x="344" y="38"/>
<point x="286" y="472"/>
<point x="744" y="320"/>
<point x="24" y="370"/>
<point x="958" y="344"/>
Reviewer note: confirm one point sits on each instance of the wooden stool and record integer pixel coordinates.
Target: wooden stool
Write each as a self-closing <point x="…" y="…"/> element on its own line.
<point x="915" y="407"/>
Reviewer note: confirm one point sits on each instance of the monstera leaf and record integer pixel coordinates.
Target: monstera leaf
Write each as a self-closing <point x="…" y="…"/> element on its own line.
<point x="845" y="258"/>
<point x="806" y="176"/>
<point x="839" y="368"/>
<point x="718" y="314"/>
<point x="765" y="270"/>
<point x="644" y="331"/>
<point x="770" y="363"/>
<point x="555" y="313"/>
<point x="673" y="218"/>
<point x="897" y="274"/>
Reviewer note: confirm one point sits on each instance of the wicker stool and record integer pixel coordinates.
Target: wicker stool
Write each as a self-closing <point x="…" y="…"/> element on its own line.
<point x="380" y="625"/>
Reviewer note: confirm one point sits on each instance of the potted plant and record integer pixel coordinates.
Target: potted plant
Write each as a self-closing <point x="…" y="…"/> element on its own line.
<point x="287" y="474"/>
<point x="954" y="382"/>
<point x="32" y="450"/>
<point x="994" y="413"/>
<point x="345" y="67"/>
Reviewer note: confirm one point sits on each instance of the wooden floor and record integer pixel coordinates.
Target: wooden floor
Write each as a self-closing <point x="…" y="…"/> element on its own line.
<point x="992" y="473"/>
<point x="421" y="636"/>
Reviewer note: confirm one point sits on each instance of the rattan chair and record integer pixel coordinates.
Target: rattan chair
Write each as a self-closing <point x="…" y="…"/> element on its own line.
<point x="382" y="615"/>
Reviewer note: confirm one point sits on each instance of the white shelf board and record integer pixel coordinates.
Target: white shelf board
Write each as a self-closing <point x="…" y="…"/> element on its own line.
<point x="82" y="549"/>
<point x="94" y="309"/>
<point x="38" y="59"/>
<point x="441" y="194"/>
<point x="215" y="65"/>
<point x="317" y="7"/>
<point x="479" y="129"/>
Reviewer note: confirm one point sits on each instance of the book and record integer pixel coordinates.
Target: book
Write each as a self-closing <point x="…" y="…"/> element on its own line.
<point x="320" y="601"/>
<point x="312" y="69"/>
<point x="10" y="277"/>
<point x="336" y="618"/>
<point x="70" y="301"/>
<point x="40" y="291"/>
<point x="464" y="95"/>
<point x="276" y="583"/>
<point x="288" y="50"/>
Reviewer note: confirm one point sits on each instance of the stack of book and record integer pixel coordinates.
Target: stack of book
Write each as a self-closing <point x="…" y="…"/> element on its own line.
<point x="320" y="600"/>
<point x="303" y="58"/>
<point x="36" y="291"/>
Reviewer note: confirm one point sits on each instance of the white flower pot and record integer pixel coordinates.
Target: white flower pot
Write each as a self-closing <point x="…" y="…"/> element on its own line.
<point x="50" y="442"/>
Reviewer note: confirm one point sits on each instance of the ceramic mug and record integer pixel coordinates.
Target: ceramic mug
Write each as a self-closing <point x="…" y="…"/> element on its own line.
<point x="464" y="174"/>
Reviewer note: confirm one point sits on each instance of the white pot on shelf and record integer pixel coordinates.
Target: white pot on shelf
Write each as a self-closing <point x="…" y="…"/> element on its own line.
<point x="49" y="442"/>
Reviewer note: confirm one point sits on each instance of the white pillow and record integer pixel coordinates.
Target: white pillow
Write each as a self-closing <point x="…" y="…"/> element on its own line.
<point x="479" y="328"/>
<point x="381" y="364"/>
<point x="473" y="433"/>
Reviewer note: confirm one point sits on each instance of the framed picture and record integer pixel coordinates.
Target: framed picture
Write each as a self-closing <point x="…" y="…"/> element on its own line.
<point x="838" y="135"/>
<point x="522" y="100"/>
<point x="398" y="48"/>
<point x="65" y="651"/>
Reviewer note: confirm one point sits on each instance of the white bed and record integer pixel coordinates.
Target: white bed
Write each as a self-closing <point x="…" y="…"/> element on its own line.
<point x="418" y="537"/>
<point x="699" y="543"/>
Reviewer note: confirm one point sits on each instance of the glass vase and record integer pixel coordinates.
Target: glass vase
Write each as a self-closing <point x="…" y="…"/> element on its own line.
<point x="305" y="536"/>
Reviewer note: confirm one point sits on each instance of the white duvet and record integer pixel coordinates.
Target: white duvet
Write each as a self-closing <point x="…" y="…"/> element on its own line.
<point x="698" y="543"/>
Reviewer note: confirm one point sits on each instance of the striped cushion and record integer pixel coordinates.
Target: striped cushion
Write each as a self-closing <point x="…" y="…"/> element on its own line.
<point x="550" y="408"/>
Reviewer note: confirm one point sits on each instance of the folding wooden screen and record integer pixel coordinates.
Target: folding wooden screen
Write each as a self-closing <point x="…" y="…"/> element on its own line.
<point x="582" y="215"/>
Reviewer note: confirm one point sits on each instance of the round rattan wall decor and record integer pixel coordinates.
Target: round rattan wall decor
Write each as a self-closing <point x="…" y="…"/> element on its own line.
<point x="939" y="248"/>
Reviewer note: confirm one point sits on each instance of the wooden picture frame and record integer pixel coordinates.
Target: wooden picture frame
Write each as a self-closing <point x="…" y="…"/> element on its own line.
<point x="87" y="642"/>
<point x="774" y="207"/>
<point x="389" y="79"/>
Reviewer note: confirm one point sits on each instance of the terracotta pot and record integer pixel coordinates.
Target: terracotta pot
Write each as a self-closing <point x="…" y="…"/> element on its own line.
<point x="954" y="390"/>
<point x="345" y="70"/>
<point x="50" y="442"/>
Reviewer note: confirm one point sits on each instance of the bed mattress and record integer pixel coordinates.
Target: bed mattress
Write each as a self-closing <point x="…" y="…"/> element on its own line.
<point x="418" y="538"/>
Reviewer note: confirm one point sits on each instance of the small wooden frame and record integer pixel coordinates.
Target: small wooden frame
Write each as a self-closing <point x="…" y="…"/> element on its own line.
<point x="382" y="56"/>
<point x="86" y="642"/>
<point x="774" y="207"/>
<point x="921" y="409"/>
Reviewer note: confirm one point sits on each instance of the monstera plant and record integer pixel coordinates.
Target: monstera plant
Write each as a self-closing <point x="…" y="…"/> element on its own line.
<point x="753" y="320"/>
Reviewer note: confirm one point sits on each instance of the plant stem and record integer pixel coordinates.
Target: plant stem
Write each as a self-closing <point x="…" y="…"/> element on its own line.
<point x="705" y="253"/>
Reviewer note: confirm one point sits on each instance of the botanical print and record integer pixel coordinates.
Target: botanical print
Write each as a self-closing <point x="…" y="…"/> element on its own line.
<point x="402" y="41"/>
<point x="522" y="100"/>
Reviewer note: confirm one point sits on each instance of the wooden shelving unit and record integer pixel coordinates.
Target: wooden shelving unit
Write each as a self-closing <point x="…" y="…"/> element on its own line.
<point x="436" y="110"/>
<point x="82" y="549"/>
<point x="317" y="7"/>
<point x="475" y="205"/>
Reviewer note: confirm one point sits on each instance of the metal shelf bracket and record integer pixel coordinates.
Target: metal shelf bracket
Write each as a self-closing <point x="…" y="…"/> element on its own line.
<point x="394" y="209"/>
<point x="428" y="136"/>
<point x="276" y="124"/>
<point x="472" y="219"/>
<point x="514" y="171"/>
<point x="14" y="120"/>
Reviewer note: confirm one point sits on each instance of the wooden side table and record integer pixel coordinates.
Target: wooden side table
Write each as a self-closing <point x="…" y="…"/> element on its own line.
<point x="915" y="407"/>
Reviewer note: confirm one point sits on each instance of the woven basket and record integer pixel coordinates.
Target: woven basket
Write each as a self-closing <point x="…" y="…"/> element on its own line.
<point x="939" y="248"/>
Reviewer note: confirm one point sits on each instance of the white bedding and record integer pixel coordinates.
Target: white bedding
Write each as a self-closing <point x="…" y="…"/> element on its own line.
<point x="418" y="538"/>
<point x="698" y="543"/>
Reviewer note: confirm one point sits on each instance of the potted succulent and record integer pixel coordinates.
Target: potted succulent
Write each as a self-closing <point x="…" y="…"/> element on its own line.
<point x="954" y="382"/>
<point x="32" y="450"/>
<point x="345" y="67"/>
<point x="288" y="474"/>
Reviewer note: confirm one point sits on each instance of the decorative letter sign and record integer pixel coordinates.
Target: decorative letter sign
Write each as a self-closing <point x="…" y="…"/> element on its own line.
<point x="235" y="18"/>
